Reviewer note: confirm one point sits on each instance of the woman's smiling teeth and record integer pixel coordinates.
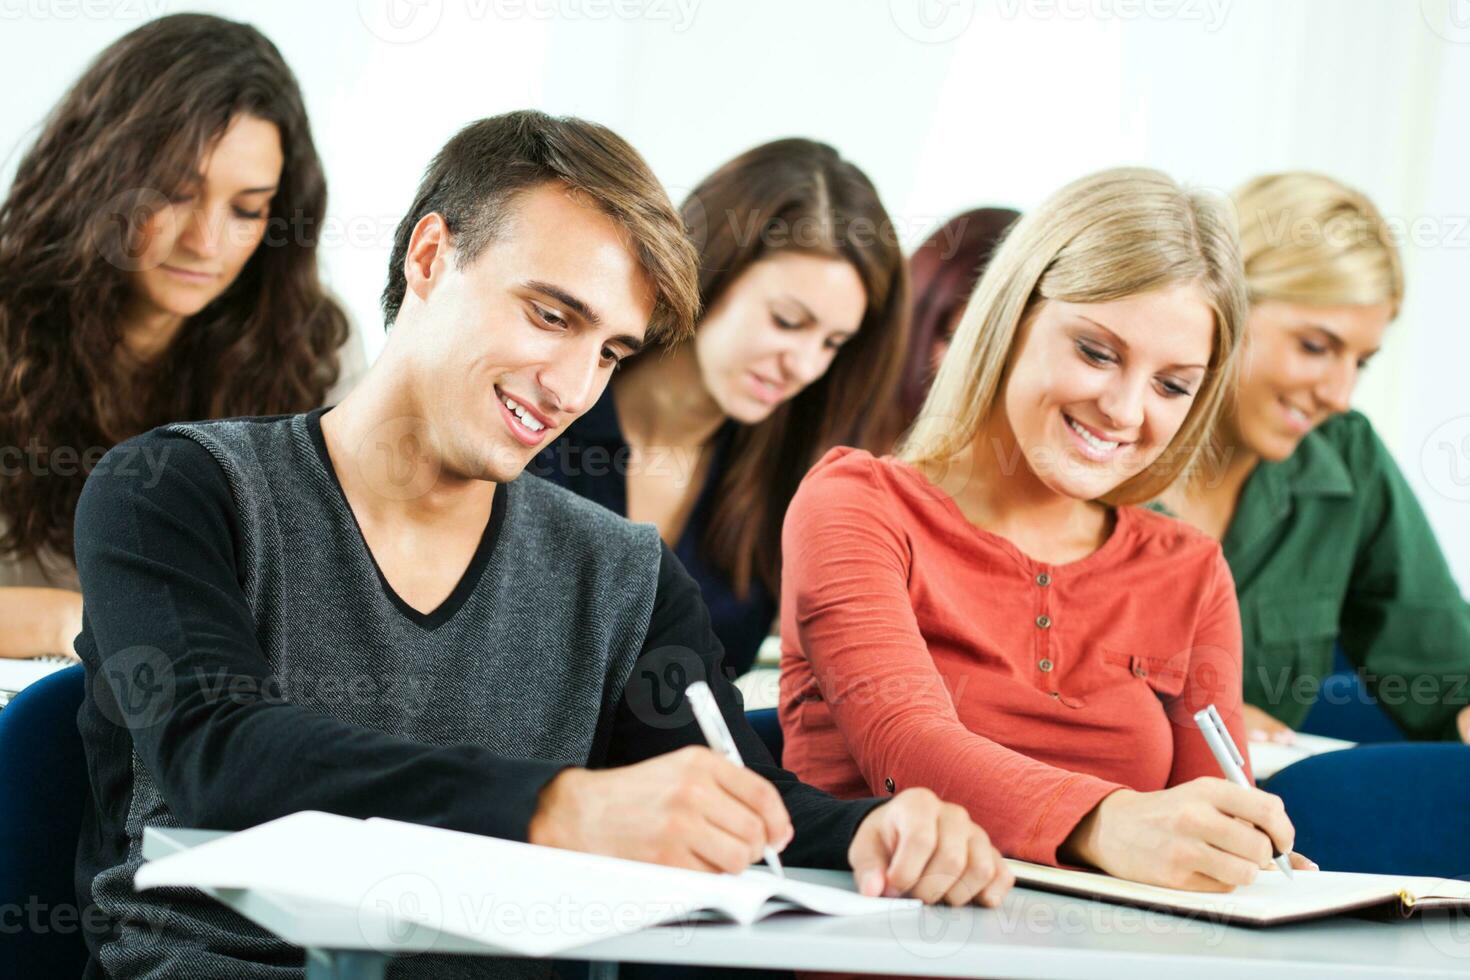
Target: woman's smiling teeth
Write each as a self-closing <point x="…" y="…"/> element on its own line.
<point x="527" y="419"/>
<point x="1296" y="416"/>
<point x="1099" y="447"/>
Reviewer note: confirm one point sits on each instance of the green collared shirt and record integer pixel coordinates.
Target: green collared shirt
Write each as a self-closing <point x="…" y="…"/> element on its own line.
<point x="1328" y="546"/>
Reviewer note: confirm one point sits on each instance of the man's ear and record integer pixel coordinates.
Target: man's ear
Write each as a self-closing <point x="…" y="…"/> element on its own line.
<point x="429" y="249"/>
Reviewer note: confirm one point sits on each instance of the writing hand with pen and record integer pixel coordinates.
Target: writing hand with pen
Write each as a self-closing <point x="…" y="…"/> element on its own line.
<point x="1208" y="834"/>
<point x="701" y="808"/>
<point x="693" y="808"/>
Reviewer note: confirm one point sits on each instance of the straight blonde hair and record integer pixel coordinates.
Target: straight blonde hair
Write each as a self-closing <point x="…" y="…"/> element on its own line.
<point x="1113" y="234"/>
<point x="1306" y="238"/>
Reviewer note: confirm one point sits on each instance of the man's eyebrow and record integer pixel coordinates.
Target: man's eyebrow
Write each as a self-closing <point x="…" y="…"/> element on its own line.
<point x="634" y="344"/>
<point x="565" y="299"/>
<point x="1124" y="344"/>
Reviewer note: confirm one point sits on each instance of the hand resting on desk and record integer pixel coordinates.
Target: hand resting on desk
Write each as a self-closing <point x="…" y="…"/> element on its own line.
<point x="693" y="808"/>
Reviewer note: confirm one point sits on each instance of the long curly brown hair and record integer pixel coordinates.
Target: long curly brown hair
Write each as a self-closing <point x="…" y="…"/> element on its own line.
<point x="124" y="140"/>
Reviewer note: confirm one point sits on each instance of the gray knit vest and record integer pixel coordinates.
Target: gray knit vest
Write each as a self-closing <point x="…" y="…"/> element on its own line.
<point x="524" y="668"/>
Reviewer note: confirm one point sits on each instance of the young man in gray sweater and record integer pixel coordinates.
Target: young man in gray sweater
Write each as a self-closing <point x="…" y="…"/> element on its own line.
<point x="370" y="611"/>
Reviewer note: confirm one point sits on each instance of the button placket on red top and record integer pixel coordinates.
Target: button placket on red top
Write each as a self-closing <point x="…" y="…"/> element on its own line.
<point x="1045" y="663"/>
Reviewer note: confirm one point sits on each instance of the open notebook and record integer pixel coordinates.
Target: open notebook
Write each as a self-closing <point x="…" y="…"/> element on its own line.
<point x="1270" y="900"/>
<point x="521" y="899"/>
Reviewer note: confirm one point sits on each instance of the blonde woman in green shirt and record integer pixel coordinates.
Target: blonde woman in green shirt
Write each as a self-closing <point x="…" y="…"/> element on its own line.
<point x="1326" y="540"/>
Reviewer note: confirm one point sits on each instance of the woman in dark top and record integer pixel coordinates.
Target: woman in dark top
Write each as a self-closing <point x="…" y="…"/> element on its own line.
<point x="157" y="264"/>
<point x="800" y="348"/>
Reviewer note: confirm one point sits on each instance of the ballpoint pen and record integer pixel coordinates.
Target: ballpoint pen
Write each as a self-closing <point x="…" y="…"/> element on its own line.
<point x="717" y="734"/>
<point x="1227" y="754"/>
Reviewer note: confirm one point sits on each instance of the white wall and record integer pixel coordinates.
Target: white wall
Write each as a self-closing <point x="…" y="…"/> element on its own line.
<point x="946" y="103"/>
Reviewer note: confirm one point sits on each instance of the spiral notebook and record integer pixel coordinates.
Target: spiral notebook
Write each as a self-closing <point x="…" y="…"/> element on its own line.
<point x="523" y="900"/>
<point x="1272" y="899"/>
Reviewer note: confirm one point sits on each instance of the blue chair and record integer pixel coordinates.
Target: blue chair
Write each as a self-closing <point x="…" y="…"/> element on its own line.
<point x="43" y="772"/>
<point x="768" y="726"/>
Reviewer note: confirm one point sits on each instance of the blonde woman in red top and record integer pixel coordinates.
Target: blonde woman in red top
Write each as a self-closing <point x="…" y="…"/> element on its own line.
<point x="987" y="615"/>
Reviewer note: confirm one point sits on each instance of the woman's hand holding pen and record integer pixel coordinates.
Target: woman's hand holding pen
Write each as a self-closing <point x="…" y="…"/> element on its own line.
<point x="1204" y="835"/>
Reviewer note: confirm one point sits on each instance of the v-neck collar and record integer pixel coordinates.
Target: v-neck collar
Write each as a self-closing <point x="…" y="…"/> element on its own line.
<point x="445" y="611"/>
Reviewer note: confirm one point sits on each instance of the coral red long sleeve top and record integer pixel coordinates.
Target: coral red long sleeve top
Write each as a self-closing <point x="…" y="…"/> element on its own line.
<point x="920" y="650"/>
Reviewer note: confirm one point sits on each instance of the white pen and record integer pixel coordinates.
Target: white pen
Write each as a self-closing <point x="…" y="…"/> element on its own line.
<point x="717" y="734"/>
<point x="1227" y="754"/>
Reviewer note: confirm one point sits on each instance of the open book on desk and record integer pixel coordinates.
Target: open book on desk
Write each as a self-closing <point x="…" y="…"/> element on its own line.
<point x="520" y="899"/>
<point x="1272" y="899"/>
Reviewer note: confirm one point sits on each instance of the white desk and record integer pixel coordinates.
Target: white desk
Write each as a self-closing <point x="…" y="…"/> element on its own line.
<point x="1035" y="934"/>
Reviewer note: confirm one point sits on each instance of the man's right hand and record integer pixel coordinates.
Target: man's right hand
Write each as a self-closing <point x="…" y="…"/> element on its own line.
<point x="1204" y="835"/>
<point x="687" y="809"/>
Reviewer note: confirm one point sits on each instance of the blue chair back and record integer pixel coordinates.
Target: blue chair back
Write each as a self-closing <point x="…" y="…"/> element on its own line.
<point x="768" y="726"/>
<point x="43" y="772"/>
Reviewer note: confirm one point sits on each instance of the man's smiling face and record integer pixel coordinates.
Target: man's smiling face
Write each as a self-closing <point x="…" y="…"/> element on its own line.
<point x="512" y="348"/>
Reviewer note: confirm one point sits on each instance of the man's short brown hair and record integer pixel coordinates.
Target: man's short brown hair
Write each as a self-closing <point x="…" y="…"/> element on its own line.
<point x="473" y="178"/>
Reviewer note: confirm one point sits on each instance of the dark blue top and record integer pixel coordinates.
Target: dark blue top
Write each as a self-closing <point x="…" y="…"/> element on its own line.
<point x="591" y="459"/>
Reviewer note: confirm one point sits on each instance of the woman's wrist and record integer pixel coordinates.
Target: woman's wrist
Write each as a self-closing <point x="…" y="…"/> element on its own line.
<point x="1083" y="845"/>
